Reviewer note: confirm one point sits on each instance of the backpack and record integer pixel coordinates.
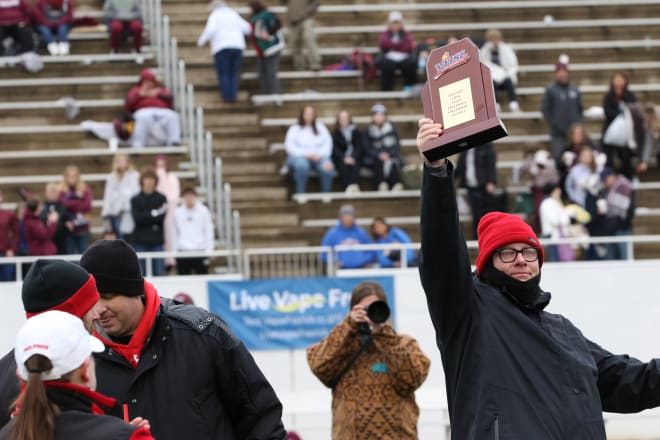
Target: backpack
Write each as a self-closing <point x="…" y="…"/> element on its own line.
<point x="273" y="24"/>
<point x="364" y="62"/>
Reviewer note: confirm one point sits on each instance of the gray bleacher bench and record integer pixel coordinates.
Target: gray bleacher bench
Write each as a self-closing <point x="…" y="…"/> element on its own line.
<point x="95" y="177"/>
<point x="69" y="81"/>
<point x="645" y="43"/>
<point x="91" y="58"/>
<point x="380" y="95"/>
<point x="458" y="6"/>
<point x="523" y="69"/>
<point x="502" y="25"/>
<point x="90" y="152"/>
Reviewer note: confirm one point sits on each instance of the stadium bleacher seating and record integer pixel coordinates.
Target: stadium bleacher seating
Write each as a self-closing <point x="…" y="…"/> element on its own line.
<point x="599" y="36"/>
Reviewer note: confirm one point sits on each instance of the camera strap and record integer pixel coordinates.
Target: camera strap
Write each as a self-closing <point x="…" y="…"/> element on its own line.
<point x="364" y="344"/>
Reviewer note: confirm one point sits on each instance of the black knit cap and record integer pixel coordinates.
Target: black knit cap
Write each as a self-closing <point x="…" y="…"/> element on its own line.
<point x="58" y="285"/>
<point x="115" y="266"/>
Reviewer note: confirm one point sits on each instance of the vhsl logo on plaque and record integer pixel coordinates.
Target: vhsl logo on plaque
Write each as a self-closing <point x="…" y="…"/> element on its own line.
<point x="459" y="94"/>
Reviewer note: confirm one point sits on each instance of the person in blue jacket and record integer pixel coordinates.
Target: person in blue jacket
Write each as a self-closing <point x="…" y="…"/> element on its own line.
<point x="384" y="233"/>
<point x="348" y="232"/>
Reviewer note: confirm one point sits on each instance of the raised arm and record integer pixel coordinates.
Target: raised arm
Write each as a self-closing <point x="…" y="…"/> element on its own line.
<point x="626" y="384"/>
<point x="328" y="357"/>
<point x="444" y="261"/>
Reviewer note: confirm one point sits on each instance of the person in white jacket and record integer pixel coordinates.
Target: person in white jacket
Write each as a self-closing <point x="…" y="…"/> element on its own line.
<point x="194" y="232"/>
<point x="121" y="185"/>
<point x="226" y="31"/>
<point x="555" y="222"/>
<point x="309" y="146"/>
<point x="503" y="63"/>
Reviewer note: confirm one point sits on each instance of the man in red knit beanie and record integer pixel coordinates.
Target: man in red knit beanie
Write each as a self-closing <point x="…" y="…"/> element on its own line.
<point x="512" y="370"/>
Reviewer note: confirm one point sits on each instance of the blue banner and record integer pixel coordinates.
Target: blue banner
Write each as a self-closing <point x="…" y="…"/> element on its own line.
<point x="286" y="313"/>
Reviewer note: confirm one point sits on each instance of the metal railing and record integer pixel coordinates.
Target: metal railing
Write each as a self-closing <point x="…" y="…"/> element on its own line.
<point x="316" y="260"/>
<point x="323" y="260"/>
<point x="200" y="142"/>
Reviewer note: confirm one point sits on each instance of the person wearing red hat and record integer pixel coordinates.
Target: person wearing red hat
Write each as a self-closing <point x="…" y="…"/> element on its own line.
<point x="151" y="105"/>
<point x="512" y="370"/>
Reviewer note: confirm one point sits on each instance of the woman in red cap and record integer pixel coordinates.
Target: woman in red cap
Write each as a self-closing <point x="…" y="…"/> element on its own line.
<point x="512" y="370"/>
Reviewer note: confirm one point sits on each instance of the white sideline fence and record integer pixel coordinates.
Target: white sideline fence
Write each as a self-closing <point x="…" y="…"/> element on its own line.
<point x="311" y="261"/>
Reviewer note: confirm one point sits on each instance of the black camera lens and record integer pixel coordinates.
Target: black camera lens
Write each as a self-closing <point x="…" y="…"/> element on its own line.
<point x="378" y="312"/>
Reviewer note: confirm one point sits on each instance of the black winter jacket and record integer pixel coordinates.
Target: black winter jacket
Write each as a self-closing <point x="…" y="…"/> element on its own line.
<point x="514" y="372"/>
<point x="340" y="145"/>
<point x="149" y="214"/>
<point x="484" y="162"/>
<point x="9" y="387"/>
<point x="195" y="380"/>
<point x="80" y="419"/>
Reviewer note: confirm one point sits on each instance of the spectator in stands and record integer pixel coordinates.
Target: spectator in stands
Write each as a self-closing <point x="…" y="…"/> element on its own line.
<point x="15" y="17"/>
<point x="268" y="43"/>
<point x="309" y="146"/>
<point x="373" y="373"/>
<point x="348" y="232"/>
<point x="8" y="241"/>
<point x="149" y="208"/>
<point x="194" y="232"/>
<point x="555" y="223"/>
<point x="348" y="147"/>
<point x="619" y="195"/>
<point x="226" y="31"/>
<point x="383" y="153"/>
<point x="121" y="185"/>
<point x="39" y="236"/>
<point x="302" y="36"/>
<point x="561" y="107"/>
<point x="183" y="298"/>
<point x="476" y="171"/>
<point x="541" y="167"/>
<point x="169" y="186"/>
<point x="397" y="47"/>
<point x="382" y="233"/>
<point x="652" y="138"/>
<point x="577" y="138"/>
<point x="76" y="196"/>
<point x="151" y="105"/>
<point x="52" y="204"/>
<point x="620" y="139"/>
<point x="503" y="63"/>
<point x="54" y="19"/>
<point x="581" y="176"/>
<point x="123" y="16"/>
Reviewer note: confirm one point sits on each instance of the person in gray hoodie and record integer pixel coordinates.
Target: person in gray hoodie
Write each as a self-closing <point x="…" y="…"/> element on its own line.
<point x="122" y="16"/>
<point x="561" y="107"/>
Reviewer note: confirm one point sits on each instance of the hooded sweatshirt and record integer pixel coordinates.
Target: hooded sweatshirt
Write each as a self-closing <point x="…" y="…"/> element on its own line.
<point x="353" y="235"/>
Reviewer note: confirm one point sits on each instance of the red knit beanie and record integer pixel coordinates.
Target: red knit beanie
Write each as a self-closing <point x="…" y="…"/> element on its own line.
<point x="497" y="229"/>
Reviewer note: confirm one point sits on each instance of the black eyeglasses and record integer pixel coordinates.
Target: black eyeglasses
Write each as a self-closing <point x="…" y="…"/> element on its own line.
<point x="509" y="255"/>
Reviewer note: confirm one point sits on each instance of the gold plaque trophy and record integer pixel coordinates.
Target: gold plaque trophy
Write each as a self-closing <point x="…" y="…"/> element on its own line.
<point x="459" y="94"/>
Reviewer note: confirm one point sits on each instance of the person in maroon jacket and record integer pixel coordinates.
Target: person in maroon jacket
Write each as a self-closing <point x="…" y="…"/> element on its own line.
<point x="55" y="17"/>
<point x="152" y="107"/>
<point x="397" y="47"/>
<point x="15" y="22"/>
<point x="8" y="241"/>
<point x="76" y="196"/>
<point x="39" y="236"/>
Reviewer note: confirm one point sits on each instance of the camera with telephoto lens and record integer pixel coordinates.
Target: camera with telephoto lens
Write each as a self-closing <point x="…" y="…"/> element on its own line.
<point x="378" y="312"/>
